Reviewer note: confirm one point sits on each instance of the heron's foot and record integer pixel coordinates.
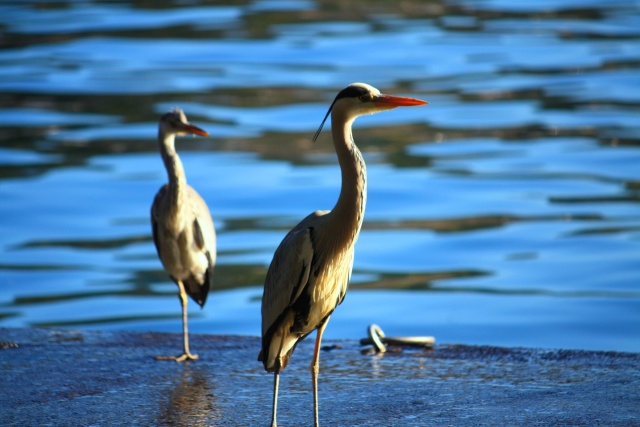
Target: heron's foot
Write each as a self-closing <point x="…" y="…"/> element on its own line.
<point x="181" y="358"/>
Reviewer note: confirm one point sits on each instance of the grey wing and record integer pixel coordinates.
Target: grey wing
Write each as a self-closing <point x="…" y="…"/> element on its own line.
<point x="289" y="271"/>
<point x="287" y="276"/>
<point x="287" y="284"/>
<point x="204" y="237"/>
<point x="155" y="208"/>
<point x="206" y="233"/>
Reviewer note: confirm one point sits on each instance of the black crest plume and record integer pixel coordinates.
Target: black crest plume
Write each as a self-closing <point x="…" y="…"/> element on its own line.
<point x="324" y="120"/>
<point x="351" y="91"/>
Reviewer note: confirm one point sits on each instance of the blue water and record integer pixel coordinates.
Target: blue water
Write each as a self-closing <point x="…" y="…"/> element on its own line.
<point x="506" y="212"/>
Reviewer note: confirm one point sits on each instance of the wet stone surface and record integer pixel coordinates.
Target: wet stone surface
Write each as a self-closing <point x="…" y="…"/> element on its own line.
<point x="70" y="378"/>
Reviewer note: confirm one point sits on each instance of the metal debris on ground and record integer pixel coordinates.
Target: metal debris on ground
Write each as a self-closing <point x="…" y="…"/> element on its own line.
<point x="380" y="341"/>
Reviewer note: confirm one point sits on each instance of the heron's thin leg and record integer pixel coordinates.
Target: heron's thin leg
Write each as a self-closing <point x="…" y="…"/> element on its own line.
<point x="186" y="354"/>
<point x="184" y="299"/>
<point x="276" y="383"/>
<point x="315" y="368"/>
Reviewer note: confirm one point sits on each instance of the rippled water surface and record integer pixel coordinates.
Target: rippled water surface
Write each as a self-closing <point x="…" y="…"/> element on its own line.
<point x="505" y="212"/>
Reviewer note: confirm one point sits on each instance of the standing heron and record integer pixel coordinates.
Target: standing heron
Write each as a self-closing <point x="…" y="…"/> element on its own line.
<point x="182" y="226"/>
<point x="310" y="270"/>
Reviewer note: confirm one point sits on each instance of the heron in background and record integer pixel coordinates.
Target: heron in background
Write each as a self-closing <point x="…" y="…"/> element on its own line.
<point x="183" y="230"/>
<point x="310" y="270"/>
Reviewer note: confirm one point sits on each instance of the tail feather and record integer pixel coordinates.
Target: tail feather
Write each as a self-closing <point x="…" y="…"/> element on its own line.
<point x="197" y="290"/>
<point x="278" y="344"/>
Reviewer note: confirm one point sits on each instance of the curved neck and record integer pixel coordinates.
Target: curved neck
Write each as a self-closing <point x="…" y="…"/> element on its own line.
<point x="173" y="165"/>
<point x="350" y="207"/>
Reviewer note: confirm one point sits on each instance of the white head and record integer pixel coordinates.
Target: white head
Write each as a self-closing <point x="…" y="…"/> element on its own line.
<point x="359" y="99"/>
<point x="175" y="123"/>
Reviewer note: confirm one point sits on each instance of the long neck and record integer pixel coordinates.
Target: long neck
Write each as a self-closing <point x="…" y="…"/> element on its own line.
<point x="349" y="209"/>
<point x="173" y="165"/>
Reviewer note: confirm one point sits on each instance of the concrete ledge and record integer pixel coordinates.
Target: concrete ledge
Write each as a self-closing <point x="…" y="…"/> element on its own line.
<point x="88" y="378"/>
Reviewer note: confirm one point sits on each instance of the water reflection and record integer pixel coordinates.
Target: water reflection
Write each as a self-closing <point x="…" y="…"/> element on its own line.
<point x="191" y="400"/>
<point x="515" y="192"/>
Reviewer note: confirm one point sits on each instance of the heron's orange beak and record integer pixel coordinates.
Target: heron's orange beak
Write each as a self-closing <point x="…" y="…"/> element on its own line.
<point x="398" y="101"/>
<point x="189" y="128"/>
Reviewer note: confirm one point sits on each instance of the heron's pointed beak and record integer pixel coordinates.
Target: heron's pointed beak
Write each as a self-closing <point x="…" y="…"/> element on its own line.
<point x="192" y="129"/>
<point x="397" y="101"/>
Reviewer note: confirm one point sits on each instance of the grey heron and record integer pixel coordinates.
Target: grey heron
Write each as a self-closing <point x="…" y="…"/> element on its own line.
<point x="183" y="230"/>
<point x="311" y="268"/>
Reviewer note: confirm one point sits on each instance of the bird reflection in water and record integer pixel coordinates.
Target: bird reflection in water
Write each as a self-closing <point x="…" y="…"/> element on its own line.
<point x="191" y="400"/>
